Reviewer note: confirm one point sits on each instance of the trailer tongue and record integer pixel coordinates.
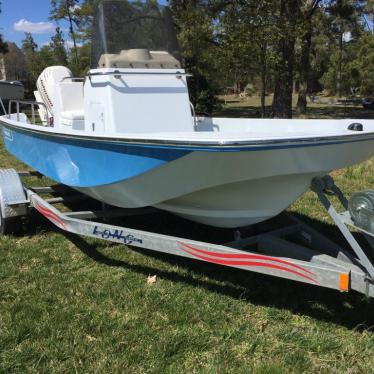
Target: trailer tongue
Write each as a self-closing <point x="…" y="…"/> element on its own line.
<point x="296" y="252"/>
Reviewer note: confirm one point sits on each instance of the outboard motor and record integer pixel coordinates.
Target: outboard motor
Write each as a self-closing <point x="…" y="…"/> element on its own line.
<point x="46" y="85"/>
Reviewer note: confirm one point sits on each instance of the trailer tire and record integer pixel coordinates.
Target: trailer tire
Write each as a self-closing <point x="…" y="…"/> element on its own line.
<point x="11" y="225"/>
<point x="3" y="223"/>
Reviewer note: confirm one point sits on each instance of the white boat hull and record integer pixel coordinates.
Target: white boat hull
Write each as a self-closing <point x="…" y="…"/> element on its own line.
<point x="232" y="190"/>
<point x="216" y="180"/>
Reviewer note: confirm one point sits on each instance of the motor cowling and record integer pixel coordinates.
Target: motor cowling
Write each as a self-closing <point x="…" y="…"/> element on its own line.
<point x="46" y="84"/>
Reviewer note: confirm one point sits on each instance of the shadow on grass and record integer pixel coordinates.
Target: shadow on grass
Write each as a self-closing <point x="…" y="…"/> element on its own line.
<point x="352" y="310"/>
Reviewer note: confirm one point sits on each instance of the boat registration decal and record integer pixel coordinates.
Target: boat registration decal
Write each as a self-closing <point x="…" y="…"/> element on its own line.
<point x="116" y="234"/>
<point x="8" y="134"/>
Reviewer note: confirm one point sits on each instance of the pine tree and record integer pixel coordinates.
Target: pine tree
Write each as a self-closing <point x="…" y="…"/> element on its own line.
<point x="58" y="48"/>
<point x="284" y="66"/>
<point x="29" y="48"/>
<point x="65" y="9"/>
<point x="308" y="9"/>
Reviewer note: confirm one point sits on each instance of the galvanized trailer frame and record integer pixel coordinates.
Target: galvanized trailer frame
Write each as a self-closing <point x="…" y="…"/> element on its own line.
<point x="309" y="257"/>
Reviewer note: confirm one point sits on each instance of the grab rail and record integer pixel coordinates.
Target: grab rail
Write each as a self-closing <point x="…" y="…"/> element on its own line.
<point x="32" y="104"/>
<point x="74" y="79"/>
<point x="118" y="73"/>
<point x="3" y="107"/>
<point x="194" y="116"/>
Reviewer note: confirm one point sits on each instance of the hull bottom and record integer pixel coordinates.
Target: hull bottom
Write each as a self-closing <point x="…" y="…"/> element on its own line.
<point x="240" y="204"/>
<point x="237" y="204"/>
<point x="226" y="219"/>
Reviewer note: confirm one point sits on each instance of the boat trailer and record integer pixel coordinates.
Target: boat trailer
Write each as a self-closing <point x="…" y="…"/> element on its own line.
<point x="296" y="252"/>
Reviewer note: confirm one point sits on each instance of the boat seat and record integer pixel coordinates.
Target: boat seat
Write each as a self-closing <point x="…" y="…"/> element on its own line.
<point x="69" y="100"/>
<point x="73" y="119"/>
<point x="73" y="115"/>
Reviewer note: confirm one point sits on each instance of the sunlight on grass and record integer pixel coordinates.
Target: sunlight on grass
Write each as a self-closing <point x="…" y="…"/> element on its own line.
<point x="234" y="106"/>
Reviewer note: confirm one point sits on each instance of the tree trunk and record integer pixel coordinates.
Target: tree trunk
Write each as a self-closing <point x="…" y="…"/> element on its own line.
<point x="304" y="69"/>
<point x="340" y="63"/>
<point x="263" y="79"/>
<point x="282" y="102"/>
<point x="72" y="33"/>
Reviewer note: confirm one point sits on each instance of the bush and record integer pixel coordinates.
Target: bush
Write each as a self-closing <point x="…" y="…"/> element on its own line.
<point x="249" y="90"/>
<point x="206" y="102"/>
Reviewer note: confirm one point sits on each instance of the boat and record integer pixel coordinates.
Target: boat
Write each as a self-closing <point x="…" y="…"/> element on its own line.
<point x="127" y="135"/>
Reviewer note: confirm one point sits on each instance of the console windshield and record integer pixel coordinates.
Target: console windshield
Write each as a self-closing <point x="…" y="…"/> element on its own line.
<point x="133" y="34"/>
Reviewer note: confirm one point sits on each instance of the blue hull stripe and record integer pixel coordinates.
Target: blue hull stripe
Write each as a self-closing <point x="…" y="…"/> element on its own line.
<point x="80" y="163"/>
<point x="248" y="146"/>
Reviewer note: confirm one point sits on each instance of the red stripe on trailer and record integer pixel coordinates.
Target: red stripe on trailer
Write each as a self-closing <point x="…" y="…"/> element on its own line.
<point x="249" y="264"/>
<point x="53" y="218"/>
<point x="45" y="210"/>
<point x="50" y="215"/>
<point x="246" y="256"/>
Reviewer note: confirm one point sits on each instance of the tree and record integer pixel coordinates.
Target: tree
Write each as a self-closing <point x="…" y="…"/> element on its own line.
<point x="3" y="45"/>
<point x="14" y="64"/>
<point x="247" y="30"/>
<point x="84" y="58"/>
<point x="270" y="44"/>
<point x="65" y="9"/>
<point x="344" y="15"/>
<point x="369" y="12"/>
<point x="322" y="47"/>
<point x="84" y="15"/>
<point x="29" y="48"/>
<point x="308" y="9"/>
<point x="357" y="67"/>
<point x="196" y="35"/>
<point x="284" y="67"/>
<point x="264" y="31"/>
<point x="46" y="57"/>
<point x="364" y="63"/>
<point x="57" y="46"/>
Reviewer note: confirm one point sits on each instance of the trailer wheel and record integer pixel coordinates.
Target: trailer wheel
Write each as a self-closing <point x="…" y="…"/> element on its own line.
<point x="10" y="225"/>
<point x="3" y="223"/>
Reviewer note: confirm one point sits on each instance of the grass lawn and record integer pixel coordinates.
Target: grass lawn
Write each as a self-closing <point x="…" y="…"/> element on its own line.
<point x="250" y="107"/>
<point x="71" y="304"/>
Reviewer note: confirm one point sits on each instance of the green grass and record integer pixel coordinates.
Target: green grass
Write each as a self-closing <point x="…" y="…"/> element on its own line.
<point x="250" y="107"/>
<point x="71" y="304"/>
